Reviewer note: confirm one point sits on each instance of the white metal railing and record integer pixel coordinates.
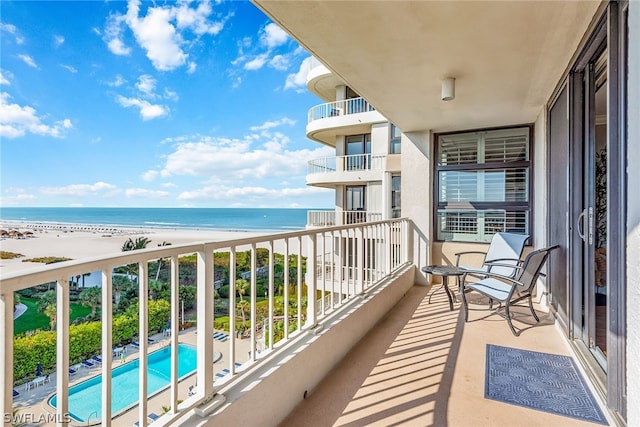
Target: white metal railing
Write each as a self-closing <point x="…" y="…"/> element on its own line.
<point x="339" y="108"/>
<point x="369" y="252"/>
<point x="359" y="216"/>
<point x="323" y="218"/>
<point x="351" y="162"/>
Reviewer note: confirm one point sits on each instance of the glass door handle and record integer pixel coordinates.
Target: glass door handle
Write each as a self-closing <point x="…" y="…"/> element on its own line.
<point x="581" y="224"/>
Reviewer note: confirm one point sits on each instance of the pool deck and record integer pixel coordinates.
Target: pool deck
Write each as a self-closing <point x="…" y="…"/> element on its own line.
<point x="32" y="403"/>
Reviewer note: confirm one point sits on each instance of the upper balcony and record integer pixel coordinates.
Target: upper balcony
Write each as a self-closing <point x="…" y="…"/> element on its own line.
<point x="327" y="218"/>
<point x="351" y="169"/>
<point x="321" y="81"/>
<point x="349" y="116"/>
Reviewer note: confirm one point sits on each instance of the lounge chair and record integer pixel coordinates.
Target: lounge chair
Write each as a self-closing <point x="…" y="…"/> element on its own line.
<point x="16" y="393"/>
<point x="88" y="364"/>
<point x="509" y="290"/>
<point x="502" y="257"/>
<point x="151" y="416"/>
<point x="97" y="359"/>
<point x="72" y="371"/>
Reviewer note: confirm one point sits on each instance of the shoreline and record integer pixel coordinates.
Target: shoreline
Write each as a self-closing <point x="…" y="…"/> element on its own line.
<point x="79" y="241"/>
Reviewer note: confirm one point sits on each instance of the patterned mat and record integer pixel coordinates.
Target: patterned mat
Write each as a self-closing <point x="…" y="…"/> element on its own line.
<point x="542" y="381"/>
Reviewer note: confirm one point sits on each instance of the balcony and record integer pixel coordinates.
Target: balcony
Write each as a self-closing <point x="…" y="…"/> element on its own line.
<point x="351" y="169"/>
<point x="410" y="361"/>
<point x="274" y="338"/>
<point x="327" y="218"/>
<point x="326" y="121"/>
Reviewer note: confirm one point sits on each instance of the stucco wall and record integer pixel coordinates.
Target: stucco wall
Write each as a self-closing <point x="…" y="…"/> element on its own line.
<point x="417" y="183"/>
<point x="633" y="219"/>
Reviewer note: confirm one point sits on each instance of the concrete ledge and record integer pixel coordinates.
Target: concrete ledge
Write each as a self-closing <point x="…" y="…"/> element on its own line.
<point x="267" y="394"/>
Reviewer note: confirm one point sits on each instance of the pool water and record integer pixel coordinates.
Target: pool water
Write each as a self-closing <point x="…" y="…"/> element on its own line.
<point x="85" y="398"/>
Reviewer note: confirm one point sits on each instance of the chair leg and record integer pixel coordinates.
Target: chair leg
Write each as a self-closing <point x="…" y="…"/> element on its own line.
<point x="464" y="302"/>
<point x="506" y="310"/>
<point x="533" y="312"/>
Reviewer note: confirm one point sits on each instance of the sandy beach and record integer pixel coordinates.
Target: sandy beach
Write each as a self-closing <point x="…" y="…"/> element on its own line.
<point x="83" y="241"/>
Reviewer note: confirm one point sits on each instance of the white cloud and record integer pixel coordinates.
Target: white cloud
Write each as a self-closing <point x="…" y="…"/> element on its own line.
<point x="28" y="60"/>
<point x="280" y="62"/>
<point x="17" y="120"/>
<point x="69" y="68"/>
<point x="58" y="40"/>
<point x="273" y="36"/>
<point x="150" y="175"/>
<point x="235" y="160"/>
<point x="191" y="68"/>
<point x="148" y="111"/>
<point x="11" y="29"/>
<point x="146" y="84"/>
<point x="162" y="32"/>
<point x="113" y="36"/>
<point x="172" y="95"/>
<point x="256" y="63"/>
<point x="5" y="76"/>
<point x="273" y="123"/>
<point x="145" y="193"/>
<point x="98" y="189"/>
<point x="248" y="193"/>
<point x="298" y="81"/>
<point x="118" y="81"/>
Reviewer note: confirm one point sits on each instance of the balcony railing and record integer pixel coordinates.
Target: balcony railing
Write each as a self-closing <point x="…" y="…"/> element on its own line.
<point x="369" y="253"/>
<point x="339" y="108"/>
<point x="352" y="162"/>
<point x="328" y="218"/>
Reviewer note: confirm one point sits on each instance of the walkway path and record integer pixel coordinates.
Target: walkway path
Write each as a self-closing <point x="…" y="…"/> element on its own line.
<point x="19" y="310"/>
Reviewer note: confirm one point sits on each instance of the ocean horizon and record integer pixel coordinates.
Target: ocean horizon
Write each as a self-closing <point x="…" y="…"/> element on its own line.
<point x="228" y="219"/>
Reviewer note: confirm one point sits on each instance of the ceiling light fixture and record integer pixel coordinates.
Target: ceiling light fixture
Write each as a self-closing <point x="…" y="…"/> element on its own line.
<point x="448" y="89"/>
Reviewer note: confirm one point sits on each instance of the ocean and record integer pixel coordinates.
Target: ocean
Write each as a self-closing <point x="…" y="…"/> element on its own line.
<point x="228" y="219"/>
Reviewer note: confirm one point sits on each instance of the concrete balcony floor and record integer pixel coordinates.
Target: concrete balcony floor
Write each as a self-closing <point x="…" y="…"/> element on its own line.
<point x="424" y="366"/>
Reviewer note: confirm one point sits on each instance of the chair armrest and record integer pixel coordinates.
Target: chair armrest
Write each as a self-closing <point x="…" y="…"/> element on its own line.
<point x="499" y="262"/>
<point x="496" y="276"/>
<point x="460" y="254"/>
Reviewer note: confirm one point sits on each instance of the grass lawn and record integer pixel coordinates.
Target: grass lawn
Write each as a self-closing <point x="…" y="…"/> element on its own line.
<point x="32" y="319"/>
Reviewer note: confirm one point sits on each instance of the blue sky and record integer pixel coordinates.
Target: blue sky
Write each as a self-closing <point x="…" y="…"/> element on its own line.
<point x="152" y="104"/>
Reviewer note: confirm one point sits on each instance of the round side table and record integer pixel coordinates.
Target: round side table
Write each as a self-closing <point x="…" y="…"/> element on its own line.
<point x="444" y="271"/>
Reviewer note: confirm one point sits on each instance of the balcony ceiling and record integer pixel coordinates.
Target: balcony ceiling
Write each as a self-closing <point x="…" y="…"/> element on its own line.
<point x="507" y="57"/>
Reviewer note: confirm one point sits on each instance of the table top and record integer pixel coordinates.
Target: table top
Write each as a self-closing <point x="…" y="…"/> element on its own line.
<point x="444" y="270"/>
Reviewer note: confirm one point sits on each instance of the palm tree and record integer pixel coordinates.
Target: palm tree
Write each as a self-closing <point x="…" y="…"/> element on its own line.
<point x="139" y="243"/>
<point x="91" y="297"/>
<point x="242" y="286"/>
<point x="243" y="307"/>
<point x="120" y="283"/>
<point x="161" y="260"/>
<point x="47" y="305"/>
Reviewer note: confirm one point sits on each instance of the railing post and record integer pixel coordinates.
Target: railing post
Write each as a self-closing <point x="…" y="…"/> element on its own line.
<point x="271" y="295"/>
<point x="174" y="330"/>
<point x="143" y="336"/>
<point x="359" y="267"/>
<point x="62" y="351"/>
<point x="6" y="356"/>
<point x="388" y="248"/>
<point x="311" y="282"/>
<point x="285" y="278"/>
<point x="254" y="285"/>
<point x="107" y="345"/>
<point x="205" y="322"/>
<point x="232" y="303"/>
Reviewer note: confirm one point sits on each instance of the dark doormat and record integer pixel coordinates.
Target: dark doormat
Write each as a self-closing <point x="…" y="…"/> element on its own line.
<point x="542" y="381"/>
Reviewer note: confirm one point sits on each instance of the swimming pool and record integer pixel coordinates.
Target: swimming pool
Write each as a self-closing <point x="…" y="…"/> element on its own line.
<point x="85" y="398"/>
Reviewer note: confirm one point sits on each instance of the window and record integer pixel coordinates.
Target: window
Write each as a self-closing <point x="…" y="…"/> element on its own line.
<point x="355" y="204"/>
<point x="394" y="139"/>
<point x="395" y="197"/>
<point x="483" y="184"/>
<point x="358" y="150"/>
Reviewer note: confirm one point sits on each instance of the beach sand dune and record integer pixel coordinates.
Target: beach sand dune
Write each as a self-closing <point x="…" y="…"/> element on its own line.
<point x="86" y="241"/>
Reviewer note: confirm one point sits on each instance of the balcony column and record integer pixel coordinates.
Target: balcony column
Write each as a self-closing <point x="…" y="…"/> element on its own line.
<point x="386" y="196"/>
<point x="6" y="356"/>
<point x="205" y="323"/>
<point x="62" y="351"/>
<point x="232" y="303"/>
